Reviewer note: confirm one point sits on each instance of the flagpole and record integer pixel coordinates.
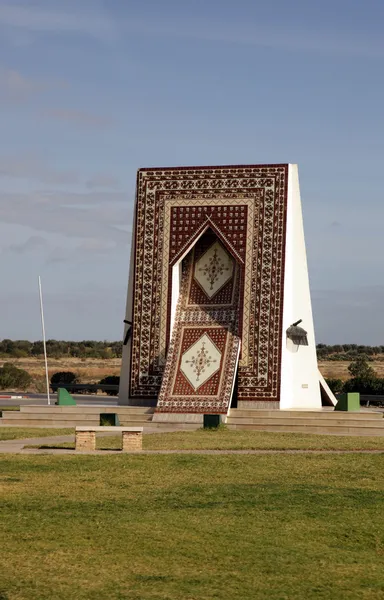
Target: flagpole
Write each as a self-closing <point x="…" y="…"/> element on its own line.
<point x="44" y="344"/>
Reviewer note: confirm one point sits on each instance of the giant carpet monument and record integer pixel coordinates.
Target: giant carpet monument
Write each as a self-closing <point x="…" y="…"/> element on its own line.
<point x="218" y="307"/>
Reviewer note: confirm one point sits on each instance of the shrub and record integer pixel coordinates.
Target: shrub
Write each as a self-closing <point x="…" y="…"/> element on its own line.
<point x="62" y="377"/>
<point x="40" y="385"/>
<point x="110" y="380"/>
<point x="363" y="385"/>
<point x="13" y="377"/>
<point x="359" y="368"/>
<point x="19" y="353"/>
<point x="336" y="385"/>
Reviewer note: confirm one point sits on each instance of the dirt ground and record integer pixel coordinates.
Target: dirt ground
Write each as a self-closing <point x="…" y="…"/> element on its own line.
<point x="339" y="369"/>
<point x="91" y="370"/>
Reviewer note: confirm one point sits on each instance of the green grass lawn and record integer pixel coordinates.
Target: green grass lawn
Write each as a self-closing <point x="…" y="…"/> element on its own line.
<point x="225" y="439"/>
<point x="189" y="527"/>
<point x="15" y="433"/>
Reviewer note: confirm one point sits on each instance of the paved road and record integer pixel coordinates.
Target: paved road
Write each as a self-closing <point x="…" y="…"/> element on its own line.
<point x="41" y="399"/>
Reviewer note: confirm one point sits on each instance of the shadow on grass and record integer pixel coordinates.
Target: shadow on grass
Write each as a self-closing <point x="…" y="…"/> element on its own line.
<point x="69" y="448"/>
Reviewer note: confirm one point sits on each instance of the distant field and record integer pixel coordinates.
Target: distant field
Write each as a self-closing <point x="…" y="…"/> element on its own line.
<point x="91" y="370"/>
<point x="339" y="369"/>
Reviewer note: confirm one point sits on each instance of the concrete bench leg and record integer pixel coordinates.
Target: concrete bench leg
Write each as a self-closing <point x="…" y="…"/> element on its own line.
<point x="132" y="441"/>
<point x="86" y="440"/>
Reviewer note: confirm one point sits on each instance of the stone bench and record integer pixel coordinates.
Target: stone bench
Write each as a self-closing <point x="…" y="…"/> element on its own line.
<point x="132" y="437"/>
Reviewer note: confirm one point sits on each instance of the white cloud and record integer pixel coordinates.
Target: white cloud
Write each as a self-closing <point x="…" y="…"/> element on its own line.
<point x="58" y="254"/>
<point x="260" y="34"/>
<point x="95" y="245"/>
<point x="103" y="181"/>
<point x="36" y="169"/>
<point x="79" y="117"/>
<point x="91" y="215"/>
<point x="263" y="35"/>
<point x="45" y="19"/>
<point x="31" y="167"/>
<point x="55" y="198"/>
<point x="34" y="242"/>
<point x="16" y="87"/>
<point x="68" y="314"/>
<point x="93" y="19"/>
<point x="87" y="250"/>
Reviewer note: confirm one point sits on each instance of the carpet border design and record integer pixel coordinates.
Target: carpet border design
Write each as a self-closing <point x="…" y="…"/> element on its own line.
<point x="263" y="189"/>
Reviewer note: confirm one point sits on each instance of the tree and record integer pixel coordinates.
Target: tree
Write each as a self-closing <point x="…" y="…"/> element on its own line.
<point x="7" y="346"/>
<point x="360" y="369"/>
<point x="110" y="380"/>
<point x="363" y="385"/>
<point x="37" y="348"/>
<point x="337" y="349"/>
<point x="62" y="377"/>
<point x="13" y="378"/>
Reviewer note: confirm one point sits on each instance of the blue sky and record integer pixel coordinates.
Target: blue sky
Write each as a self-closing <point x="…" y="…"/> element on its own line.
<point x="90" y="91"/>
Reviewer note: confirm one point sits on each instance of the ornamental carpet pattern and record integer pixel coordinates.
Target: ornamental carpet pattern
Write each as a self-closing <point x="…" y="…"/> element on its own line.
<point x="245" y="207"/>
<point x="202" y="359"/>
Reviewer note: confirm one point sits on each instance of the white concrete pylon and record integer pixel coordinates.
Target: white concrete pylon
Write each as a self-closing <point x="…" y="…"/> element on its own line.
<point x="300" y="380"/>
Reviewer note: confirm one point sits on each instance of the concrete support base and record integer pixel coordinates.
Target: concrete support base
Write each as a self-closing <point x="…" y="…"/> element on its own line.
<point x="257" y="405"/>
<point x="162" y="417"/>
<point x="132" y="441"/>
<point x="85" y="440"/>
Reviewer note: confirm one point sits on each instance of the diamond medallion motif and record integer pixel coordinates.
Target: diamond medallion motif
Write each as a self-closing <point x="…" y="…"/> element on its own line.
<point x="214" y="269"/>
<point x="200" y="361"/>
